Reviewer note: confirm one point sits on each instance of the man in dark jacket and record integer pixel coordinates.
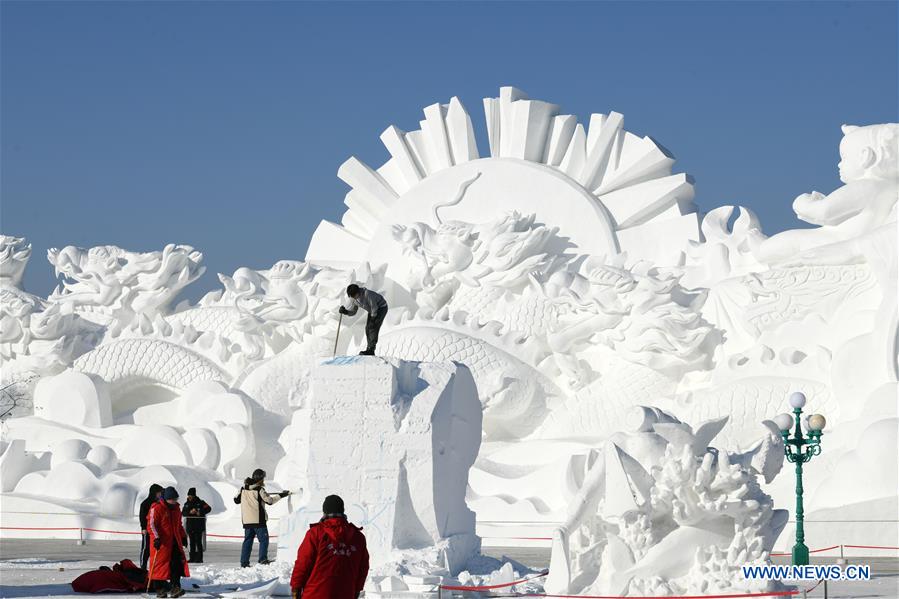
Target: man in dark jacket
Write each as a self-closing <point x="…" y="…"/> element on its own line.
<point x="332" y="561"/>
<point x="195" y="510"/>
<point x="376" y="306"/>
<point x="154" y="495"/>
<point x="252" y="499"/>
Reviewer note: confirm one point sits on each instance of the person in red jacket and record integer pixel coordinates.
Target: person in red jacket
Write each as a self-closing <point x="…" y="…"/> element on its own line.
<point x="167" y="543"/>
<point x="332" y="561"/>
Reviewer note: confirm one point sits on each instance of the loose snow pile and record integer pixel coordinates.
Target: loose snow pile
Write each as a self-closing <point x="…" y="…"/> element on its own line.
<point x="412" y="574"/>
<point x="259" y="581"/>
<point x="409" y="575"/>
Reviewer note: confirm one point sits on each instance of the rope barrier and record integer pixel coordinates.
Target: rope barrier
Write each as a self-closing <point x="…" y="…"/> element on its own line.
<point x="728" y="596"/>
<point x="235" y="536"/>
<point x="78" y="514"/>
<point x="817" y="584"/>
<point x="493" y="586"/>
<point x="111" y="532"/>
<point x="813" y="550"/>
<point x="37" y="528"/>
<point x="546" y="572"/>
<point x="887" y="548"/>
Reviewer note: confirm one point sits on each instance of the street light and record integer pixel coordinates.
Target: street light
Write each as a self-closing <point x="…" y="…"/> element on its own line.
<point x="793" y="448"/>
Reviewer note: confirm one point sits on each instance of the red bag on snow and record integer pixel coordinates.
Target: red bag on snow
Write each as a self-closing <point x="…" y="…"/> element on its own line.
<point x="124" y="577"/>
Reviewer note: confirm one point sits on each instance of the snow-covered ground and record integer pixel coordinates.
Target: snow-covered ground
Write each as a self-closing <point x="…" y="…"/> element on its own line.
<point x="45" y="568"/>
<point x="32" y="568"/>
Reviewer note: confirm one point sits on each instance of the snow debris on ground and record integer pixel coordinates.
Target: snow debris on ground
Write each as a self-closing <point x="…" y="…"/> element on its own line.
<point x="502" y="571"/>
<point x="416" y="574"/>
<point x="219" y="580"/>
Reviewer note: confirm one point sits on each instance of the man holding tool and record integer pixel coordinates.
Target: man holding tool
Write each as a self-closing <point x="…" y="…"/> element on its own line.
<point x="376" y="306"/>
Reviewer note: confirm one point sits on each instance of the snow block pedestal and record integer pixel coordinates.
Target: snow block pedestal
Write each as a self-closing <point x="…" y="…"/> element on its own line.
<point x="395" y="440"/>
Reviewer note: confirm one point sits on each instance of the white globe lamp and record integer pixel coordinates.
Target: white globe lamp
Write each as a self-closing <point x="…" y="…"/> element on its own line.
<point x="797" y="400"/>
<point x="784" y="422"/>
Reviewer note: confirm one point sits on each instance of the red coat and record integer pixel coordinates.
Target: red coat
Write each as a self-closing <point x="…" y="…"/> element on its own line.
<point x="124" y="577"/>
<point x="164" y="522"/>
<point x="332" y="561"/>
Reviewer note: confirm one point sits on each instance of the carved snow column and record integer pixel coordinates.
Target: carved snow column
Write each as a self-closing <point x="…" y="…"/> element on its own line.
<point x="395" y="440"/>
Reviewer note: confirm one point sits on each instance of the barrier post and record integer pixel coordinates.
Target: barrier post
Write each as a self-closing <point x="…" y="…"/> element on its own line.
<point x="842" y="560"/>
<point x="80" y="540"/>
<point x="825" y="588"/>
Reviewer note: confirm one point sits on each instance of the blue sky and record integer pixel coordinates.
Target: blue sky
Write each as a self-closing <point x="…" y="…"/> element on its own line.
<point x="222" y="124"/>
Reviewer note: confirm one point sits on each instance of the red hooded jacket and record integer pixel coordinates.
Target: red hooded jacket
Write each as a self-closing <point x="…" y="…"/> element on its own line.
<point x="164" y="522"/>
<point x="332" y="561"/>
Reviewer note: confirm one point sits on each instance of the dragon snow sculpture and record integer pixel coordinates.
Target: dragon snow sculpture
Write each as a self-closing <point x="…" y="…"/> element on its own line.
<point x="37" y="337"/>
<point x="564" y="263"/>
<point x="565" y="309"/>
<point x="292" y="302"/>
<point x="117" y="286"/>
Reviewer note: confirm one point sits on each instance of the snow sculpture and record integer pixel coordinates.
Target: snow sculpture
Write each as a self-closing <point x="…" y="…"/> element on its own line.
<point x="395" y="440"/>
<point x="535" y="153"/>
<point x="67" y="460"/>
<point x="104" y="458"/>
<point x="36" y="338"/>
<point x="660" y="512"/>
<point x="15" y="464"/>
<point x="869" y="167"/>
<point x="73" y="398"/>
<point x="293" y="301"/>
<point x="117" y="285"/>
<point x="563" y="312"/>
<point x="563" y="264"/>
<point x="723" y="253"/>
<point x="14" y="255"/>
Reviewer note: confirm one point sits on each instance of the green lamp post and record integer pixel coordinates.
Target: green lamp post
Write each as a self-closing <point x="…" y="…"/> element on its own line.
<point x="799" y="449"/>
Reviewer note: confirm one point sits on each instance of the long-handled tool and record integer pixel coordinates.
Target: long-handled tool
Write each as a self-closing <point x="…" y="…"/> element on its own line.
<point x="337" y="336"/>
<point x="152" y="567"/>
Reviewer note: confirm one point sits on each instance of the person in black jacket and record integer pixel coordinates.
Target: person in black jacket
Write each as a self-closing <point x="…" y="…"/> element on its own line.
<point x="195" y="510"/>
<point x="154" y="495"/>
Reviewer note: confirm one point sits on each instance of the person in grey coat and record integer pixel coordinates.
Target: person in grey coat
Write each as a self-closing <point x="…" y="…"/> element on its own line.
<point x="376" y="306"/>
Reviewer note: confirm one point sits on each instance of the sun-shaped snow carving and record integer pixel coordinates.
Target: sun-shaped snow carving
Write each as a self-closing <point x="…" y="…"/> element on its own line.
<point x="607" y="190"/>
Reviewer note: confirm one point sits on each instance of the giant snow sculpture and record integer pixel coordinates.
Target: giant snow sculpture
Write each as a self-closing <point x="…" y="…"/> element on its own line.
<point x="396" y="439"/>
<point x="660" y="513"/>
<point x="563" y="263"/>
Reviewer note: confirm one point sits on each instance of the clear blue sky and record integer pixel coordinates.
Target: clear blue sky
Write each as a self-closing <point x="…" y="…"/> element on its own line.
<point x="222" y="124"/>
